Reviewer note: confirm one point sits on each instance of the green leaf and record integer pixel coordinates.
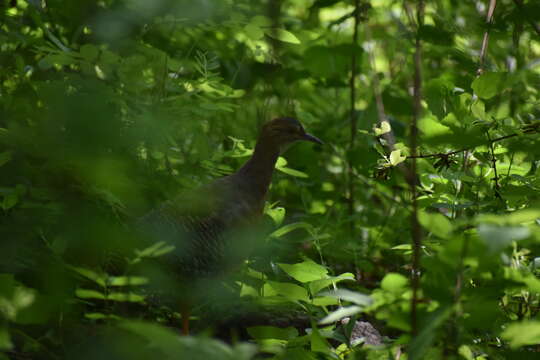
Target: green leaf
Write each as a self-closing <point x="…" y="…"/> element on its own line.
<point x="290" y="227"/>
<point x="382" y="129"/>
<point x="282" y="35"/>
<point x="10" y="200"/>
<point x="292" y="172"/>
<point x="512" y="218"/>
<point x="125" y="297"/>
<point x="499" y="237"/>
<point x="340" y="313"/>
<point x="329" y="61"/>
<point x="253" y="31"/>
<point x="394" y="282"/>
<point x="89" y="294"/>
<point x="406" y="247"/>
<point x="522" y="333"/>
<point x="396" y="157"/>
<point x="489" y="84"/>
<point x="431" y="127"/>
<point x="289" y="291"/>
<point x="277" y="214"/>
<point x="89" y="52"/>
<point x="305" y="271"/>
<point x="436" y="223"/>
<point x="90" y="274"/>
<point x="317" y="342"/>
<point x="281" y="166"/>
<point x="101" y="316"/>
<point x="126" y="280"/>
<point x="158" y="249"/>
<point x="351" y="296"/>
<point x="170" y="345"/>
<point x="317" y="285"/>
<point x="421" y="343"/>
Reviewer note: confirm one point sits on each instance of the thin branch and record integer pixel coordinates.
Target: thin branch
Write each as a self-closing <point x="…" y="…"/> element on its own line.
<point x="485" y="41"/>
<point x="494" y="165"/>
<point x="353" y="117"/>
<point x="381" y="114"/>
<point x="450" y="153"/>
<point x="416" y="232"/>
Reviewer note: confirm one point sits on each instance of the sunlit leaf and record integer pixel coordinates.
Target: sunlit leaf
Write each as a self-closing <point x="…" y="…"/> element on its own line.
<point x="394" y="282"/>
<point x="396" y="157"/>
<point x="351" y="296"/>
<point x="340" y="313"/>
<point x="382" y="129"/>
<point x="305" y="271"/>
<point x="289" y="291"/>
<point x="126" y="280"/>
<point x="277" y="214"/>
<point x="89" y="294"/>
<point x="436" y="223"/>
<point x="522" y="333"/>
<point x="290" y="227"/>
<point x="282" y="35"/>
<point x="489" y="84"/>
<point x="125" y="297"/>
<point x="318" y="285"/>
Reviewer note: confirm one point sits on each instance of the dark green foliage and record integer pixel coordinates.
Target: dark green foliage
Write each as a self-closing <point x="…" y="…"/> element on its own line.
<point x="108" y="108"/>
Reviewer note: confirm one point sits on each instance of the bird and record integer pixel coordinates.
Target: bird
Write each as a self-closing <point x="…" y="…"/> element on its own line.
<point x="207" y="227"/>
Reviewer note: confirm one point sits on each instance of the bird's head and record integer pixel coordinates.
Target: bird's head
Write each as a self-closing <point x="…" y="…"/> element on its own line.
<point x="285" y="131"/>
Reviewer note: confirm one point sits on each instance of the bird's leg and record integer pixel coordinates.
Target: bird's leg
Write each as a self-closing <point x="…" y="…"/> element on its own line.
<point x="185" y="312"/>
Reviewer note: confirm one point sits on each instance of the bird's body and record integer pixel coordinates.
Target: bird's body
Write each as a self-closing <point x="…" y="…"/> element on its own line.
<point x="209" y="227"/>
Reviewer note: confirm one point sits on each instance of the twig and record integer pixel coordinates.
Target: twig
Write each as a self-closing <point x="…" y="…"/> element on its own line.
<point x="353" y="119"/>
<point x="494" y="165"/>
<point x="381" y="114"/>
<point x="416" y="233"/>
<point x="485" y="41"/>
<point x="450" y="153"/>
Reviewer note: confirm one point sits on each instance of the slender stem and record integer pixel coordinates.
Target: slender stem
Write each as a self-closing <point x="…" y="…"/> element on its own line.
<point x="494" y="165"/>
<point x="353" y="118"/>
<point x="416" y="233"/>
<point x="422" y="156"/>
<point x="485" y="41"/>
<point x="381" y="113"/>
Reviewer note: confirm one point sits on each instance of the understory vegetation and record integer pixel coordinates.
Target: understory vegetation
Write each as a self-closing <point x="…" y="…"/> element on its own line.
<point x="412" y="233"/>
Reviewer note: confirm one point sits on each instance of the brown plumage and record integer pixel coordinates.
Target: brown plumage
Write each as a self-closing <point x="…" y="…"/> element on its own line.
<point x="200" y="224"/>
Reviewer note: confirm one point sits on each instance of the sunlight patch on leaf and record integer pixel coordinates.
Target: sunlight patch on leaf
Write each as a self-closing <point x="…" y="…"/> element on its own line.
<point x="396" y="157"/>
<point x="282" y="35"/>
<point x="522" y="333"/>
<point x="351" y="296"/>
<point x="340" y="313"/>
<point x="305" y="271"/>
<point x="382" y="129"/>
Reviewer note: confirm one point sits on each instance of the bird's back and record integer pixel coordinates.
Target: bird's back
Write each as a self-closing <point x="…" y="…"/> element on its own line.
<point x="205" y="226"/>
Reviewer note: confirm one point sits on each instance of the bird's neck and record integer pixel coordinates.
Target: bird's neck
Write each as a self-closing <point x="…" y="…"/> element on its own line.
<point x="259" y="168"/>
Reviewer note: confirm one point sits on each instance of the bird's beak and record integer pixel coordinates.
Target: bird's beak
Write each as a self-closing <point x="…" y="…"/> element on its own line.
<point x="309" y="137"/>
